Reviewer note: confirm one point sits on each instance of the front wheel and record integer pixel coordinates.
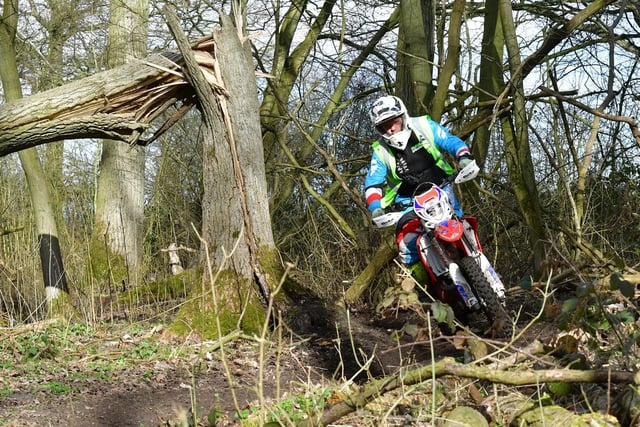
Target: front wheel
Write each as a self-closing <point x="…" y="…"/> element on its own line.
<point x="501" y="324"/>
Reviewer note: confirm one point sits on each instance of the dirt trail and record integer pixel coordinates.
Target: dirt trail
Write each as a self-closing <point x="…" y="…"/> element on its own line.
<point x="157" y="392"/>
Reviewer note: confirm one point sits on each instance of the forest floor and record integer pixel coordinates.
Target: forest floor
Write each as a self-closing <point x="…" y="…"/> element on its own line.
<point x="129" y="373"/>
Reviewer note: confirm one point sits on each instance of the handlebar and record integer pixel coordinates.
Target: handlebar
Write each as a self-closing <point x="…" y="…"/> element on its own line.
<point x="465" y="174"/>
<point x="468" y="173"/>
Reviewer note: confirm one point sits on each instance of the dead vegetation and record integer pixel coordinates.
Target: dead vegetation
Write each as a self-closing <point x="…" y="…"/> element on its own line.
<point x="565" y="365"/>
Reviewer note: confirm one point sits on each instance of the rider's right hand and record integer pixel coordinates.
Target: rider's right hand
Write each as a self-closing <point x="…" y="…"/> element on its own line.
<point x="377" y="212"/>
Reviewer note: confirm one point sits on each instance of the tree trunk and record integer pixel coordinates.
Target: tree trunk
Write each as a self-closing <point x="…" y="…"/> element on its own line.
<point x="54" y="276"/>
<point x="235" y="203"/>
<point x="491" y="82"/>
<point x="519" y="161"/>
<point x="415" y="55"/>
<point x="386" y="252"/>
<point x="116" y="249"/>
<point x="61" y="24"/>
<point x="237" y="238"/>
<point x="450" y="63"/>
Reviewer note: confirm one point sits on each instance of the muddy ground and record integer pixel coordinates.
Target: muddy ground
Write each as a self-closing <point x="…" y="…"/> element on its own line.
<point x="153" y="390"/>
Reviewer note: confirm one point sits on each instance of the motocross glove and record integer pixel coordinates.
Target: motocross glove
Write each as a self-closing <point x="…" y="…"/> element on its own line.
<point x="464" y="161"/>
<point x="377" y="212"/>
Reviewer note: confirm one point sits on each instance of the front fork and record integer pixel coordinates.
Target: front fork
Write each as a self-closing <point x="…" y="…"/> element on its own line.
<point x="492" y="276"/>
<point x="445" y="270"/>
<point x="470" y="241"/>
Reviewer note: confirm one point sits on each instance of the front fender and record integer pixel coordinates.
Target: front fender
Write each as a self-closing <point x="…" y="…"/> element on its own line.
<point x="450" y="230"/>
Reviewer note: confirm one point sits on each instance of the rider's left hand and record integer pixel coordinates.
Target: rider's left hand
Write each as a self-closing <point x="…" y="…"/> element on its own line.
<point x="464" y="161"/>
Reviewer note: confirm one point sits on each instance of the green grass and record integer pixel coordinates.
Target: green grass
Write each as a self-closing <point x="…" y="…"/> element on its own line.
<point x="78" y="352"/>
<point x="57" y="387"/>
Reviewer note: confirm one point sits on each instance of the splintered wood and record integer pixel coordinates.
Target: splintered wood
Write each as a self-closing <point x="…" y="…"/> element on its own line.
<point x="118" y="104"/>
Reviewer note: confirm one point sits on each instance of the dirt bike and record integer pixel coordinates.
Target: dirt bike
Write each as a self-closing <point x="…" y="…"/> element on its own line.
<point x="460" y="275"/>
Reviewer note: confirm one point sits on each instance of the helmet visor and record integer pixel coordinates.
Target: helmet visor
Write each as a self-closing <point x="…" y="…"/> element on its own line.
<point x="391" y="125"/>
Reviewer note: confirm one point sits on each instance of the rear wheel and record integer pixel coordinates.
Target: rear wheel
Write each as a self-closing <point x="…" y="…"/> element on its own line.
<point x="501" y="324"/>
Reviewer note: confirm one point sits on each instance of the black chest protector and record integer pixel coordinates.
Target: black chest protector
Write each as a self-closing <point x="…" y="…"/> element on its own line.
<point x="415" y="165"/>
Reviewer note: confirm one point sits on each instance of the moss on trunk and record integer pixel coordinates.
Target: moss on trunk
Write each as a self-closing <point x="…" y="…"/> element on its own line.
<point x="226" y="303"/>
<point x="61" y="307"/>
<point x="105" y="266"/>
<point x="172" y="287"/>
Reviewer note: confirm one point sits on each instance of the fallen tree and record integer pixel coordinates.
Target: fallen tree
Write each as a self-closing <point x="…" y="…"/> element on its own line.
<point x="449" y="367"/>
<point x="118" y="104"/>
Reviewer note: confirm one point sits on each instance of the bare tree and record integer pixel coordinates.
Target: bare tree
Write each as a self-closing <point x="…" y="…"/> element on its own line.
<point x="117" y="234"/>
<point x="45" y="224"/>
<point x="416" y="52"/>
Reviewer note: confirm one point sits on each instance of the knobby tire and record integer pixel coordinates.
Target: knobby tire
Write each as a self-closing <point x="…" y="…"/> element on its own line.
<point x="501" y="323"/>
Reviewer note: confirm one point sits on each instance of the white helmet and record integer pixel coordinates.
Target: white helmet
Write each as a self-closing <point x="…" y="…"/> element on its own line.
<point x="387" y="108"/>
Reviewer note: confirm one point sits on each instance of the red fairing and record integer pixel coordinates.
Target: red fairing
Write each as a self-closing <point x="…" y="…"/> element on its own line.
<point x="450" y="230"/>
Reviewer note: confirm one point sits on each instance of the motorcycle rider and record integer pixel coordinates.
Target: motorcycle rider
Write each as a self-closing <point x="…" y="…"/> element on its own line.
<point x="410" y="152"/>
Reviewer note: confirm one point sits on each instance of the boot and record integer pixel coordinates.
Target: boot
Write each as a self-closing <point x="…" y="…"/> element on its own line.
<point x="419" y="273"/>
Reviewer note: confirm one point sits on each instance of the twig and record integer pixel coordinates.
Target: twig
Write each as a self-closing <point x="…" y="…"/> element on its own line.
<point x="633" y="124"/>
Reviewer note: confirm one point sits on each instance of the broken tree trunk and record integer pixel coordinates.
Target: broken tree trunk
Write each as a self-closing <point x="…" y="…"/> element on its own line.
<point x="237" y="247"/>
<point x="118" y="104"/>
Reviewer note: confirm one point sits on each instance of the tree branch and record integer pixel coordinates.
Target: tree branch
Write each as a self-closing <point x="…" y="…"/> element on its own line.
<point x="117" y="104"/>
<point x="633" y="124"/>
<point x="449" y="367"/>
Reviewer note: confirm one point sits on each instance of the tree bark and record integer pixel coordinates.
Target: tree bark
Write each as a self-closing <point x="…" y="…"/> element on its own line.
<point x="118" y="103"/>
<point x="245" y="203"/>
<point x="237" y="236"/>
<point x="517" y="148"/>
<point x="53" y="272"/>
<point x="117" y="232"/>
<point x="491" y="82"/>
<point x="61" y="24"/>
<point x="450" y="63"/>
<point x="415" y="55"/>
